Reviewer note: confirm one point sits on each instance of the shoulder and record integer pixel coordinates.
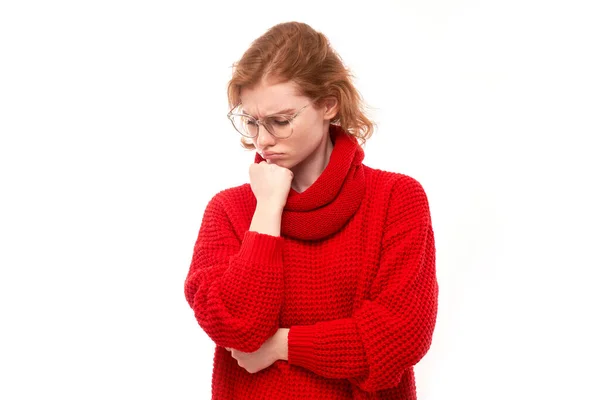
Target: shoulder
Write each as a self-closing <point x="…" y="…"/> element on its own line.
<point x="233" y="205"/>
<point x="231" y="198"/>
<point x="402" y="196"/>
<point x="233" y="194"/>
<point x="381" y="178"/>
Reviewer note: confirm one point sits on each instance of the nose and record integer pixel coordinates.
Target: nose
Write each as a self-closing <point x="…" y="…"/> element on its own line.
<point x="263" y="138"/>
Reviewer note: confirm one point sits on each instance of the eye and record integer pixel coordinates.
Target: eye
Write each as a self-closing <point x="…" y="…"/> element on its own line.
<point x="250" y="121"/>
<point x="280" y="121"/>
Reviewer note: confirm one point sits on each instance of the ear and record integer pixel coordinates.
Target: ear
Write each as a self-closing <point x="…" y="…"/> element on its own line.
<point x="331" y="107"/>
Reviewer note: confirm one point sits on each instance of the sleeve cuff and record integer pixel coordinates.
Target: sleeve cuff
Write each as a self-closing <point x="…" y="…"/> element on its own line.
<point x="301" y="346"/>
<point x="261" y="248"/>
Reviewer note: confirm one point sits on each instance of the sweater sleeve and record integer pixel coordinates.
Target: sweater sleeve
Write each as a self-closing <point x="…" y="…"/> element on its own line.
<point x="235" y="288"/>
<point x="392" y="330"/>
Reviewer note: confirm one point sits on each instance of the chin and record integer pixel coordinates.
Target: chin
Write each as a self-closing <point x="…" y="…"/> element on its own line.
<point x="285" y="163"/>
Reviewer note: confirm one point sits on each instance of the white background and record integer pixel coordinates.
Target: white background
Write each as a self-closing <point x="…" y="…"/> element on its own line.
<point x="114" y="137"/>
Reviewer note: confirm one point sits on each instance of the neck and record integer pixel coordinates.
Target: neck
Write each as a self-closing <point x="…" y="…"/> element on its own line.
<point x="309" y="170"/>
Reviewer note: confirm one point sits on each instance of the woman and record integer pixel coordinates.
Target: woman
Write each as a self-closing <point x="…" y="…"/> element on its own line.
<point x="317" y="279"/>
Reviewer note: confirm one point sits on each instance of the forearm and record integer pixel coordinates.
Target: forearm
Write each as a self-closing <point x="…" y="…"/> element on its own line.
<point x="267" y="219"/>
<point x="225" y="273"/>
<point x="372" y="350"/>
<point x="282" y="343"/>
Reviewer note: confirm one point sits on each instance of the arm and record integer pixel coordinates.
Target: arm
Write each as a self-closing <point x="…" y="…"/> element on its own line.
<point x="392" y="330"/>
<point x="235" y="289"/>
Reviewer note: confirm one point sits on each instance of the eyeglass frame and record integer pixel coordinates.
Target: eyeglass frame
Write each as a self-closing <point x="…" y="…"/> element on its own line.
<point x="259" y="121"/>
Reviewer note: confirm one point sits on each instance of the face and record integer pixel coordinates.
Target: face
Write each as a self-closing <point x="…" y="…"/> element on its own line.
<point x="310" y="127"/>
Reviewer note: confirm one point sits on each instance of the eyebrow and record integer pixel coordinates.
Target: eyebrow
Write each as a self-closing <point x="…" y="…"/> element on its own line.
<point x="286" y="111"/>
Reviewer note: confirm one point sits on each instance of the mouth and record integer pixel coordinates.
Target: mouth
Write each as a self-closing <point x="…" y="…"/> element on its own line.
<point x="272" y="156"/>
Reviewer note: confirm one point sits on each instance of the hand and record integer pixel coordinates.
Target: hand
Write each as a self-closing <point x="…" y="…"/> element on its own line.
<point x="274" y="348"/>
<point x="270" y="183"/>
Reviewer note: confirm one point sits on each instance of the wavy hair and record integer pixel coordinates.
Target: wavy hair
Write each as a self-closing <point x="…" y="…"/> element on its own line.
<point x="294" y="51"/>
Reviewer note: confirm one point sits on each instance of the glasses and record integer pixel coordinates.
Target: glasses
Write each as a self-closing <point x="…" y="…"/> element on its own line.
<point x="278" y="125"/>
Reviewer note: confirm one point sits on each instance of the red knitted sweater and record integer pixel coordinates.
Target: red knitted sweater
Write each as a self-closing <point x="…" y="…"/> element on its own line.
<point x="352" y="275"/>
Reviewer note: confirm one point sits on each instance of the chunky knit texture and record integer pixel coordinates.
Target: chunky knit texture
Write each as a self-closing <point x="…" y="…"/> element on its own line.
<point x="352" y="276"/>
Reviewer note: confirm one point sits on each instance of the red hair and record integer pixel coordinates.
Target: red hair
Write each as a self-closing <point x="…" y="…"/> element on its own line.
<point x="294" y="51"/>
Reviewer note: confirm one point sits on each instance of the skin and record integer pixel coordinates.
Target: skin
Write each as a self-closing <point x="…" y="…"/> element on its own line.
<point x="275" y="348"/>
<point x="307" y="151"/>
<point x="306" y="154"/>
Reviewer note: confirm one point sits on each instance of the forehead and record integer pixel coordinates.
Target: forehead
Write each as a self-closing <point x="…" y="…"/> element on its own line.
<point x="265" y="98"/>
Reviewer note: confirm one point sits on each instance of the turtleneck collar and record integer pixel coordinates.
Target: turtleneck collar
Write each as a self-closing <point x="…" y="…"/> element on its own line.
<point x="327" y="205"/>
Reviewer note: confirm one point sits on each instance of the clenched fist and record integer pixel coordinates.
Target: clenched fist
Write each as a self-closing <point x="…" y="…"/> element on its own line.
<point x="270" y="183"/>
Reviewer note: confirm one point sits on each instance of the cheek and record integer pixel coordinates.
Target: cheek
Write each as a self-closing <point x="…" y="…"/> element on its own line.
<point x="297" y="145"/>
<point x="303" y="141"/>
<point x="309" y="139"/>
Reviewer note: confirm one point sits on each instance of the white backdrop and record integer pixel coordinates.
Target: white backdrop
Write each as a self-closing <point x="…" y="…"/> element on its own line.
<point x="114" y="138"/>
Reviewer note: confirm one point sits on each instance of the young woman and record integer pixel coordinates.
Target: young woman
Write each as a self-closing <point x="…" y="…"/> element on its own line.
<point x="316" y="280"/>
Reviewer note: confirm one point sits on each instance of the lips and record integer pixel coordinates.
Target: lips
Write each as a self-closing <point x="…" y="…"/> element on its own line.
<point x="271" y="155"/>
<point x="273" y="158"/>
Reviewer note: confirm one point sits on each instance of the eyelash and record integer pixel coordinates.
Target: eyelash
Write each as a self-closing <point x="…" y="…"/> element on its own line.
<point x="281" y="122"/>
